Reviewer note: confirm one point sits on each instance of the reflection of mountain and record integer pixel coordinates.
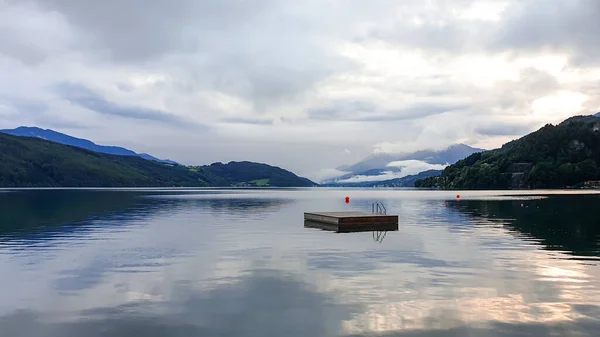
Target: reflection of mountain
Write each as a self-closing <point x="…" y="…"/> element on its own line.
<point x="25" y="210"/>
<point x="233" y="205"/>
<point x="244" y="207"/>
<point x="23" y="213"/>
<point x="568" y="222"/>
<point x="51" y="212"/>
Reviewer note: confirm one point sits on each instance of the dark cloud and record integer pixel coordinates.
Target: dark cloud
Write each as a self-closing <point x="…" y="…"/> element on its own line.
<point x="525" y="27"/>
<point x="504" y="129"/>
<point x="342" y="109"/>
<point x="15" y="47"/>
<point x="453" y="37"/>
<point x="252" y="121"/>
<point x="271" y="76"/>
<point x="417" y="111"/>
<point x="23" y="105"/>
<point x="518" y="95"/>
<point x="213" y="56"/>
<point x="139" y="30"/>
<point x="438" y="30"/>
<point x="80" y="95"/>
<point x="538" y="25"/>
<point x="365" y="111"/>
<point x="261" y="50"/>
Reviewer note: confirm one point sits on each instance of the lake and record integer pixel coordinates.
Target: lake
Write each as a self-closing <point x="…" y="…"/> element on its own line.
<point x="227" y="262"/>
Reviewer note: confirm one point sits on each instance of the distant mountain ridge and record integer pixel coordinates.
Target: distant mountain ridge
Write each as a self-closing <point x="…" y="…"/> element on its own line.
<point x="449" y="155"/>
<point x="376" y="166"/>
<point x="57" y="137"/>
<point x="36" y="162"/>
<point x="407" y="181"/>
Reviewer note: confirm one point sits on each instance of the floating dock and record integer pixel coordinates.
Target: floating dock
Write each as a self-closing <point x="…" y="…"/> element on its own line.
<point x="344" y="222"/>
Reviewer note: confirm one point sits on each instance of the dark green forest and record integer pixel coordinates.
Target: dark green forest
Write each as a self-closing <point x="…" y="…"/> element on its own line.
<point x="34" y="162"/>
<point x="556" y="156"/>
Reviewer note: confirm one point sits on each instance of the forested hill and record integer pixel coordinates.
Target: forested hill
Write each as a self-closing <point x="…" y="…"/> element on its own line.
<point x="555" y="156"/>
<point x="35" y="162"/>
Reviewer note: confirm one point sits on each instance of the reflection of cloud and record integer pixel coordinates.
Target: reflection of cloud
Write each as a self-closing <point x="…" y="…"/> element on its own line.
<point x="262" y="303"/>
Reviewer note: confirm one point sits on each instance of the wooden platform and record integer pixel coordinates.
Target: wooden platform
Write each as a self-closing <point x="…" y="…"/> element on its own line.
<point x="344" y="222"/>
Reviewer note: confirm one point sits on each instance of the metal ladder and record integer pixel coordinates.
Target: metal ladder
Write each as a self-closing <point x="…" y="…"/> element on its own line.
<point x="378" y="208"/>
<point x="378" y="236"/>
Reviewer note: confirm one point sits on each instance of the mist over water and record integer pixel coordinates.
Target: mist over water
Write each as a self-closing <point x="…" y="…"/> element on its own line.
<point x="219" y="262"/>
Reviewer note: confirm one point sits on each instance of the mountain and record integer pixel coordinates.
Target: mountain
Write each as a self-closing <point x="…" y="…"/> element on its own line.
<point x="555" y="156"/>
<point x="247" y="173"/>
<point x="449" y="155"/>
<point x="57" y="137"/>
<point x="36" y="162"/>
<point x="408" y="164"/>
<point x="407" y="181"/>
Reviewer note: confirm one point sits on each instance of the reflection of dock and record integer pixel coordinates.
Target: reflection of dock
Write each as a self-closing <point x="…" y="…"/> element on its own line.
<point x="344" y="222"/>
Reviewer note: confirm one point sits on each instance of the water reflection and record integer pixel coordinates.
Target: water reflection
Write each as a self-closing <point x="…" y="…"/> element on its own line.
<point x="36" y="215"/>
<point x="158" y="264"/>
<point x="25" y="211"/>
<point x="563" y="223"/>
<point x="261" y="303"/>
<point x="378" y="236"/>
<point x="267" y="302"/>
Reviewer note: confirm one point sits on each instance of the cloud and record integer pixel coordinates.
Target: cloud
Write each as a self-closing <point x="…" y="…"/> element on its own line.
<point x="342" y="109"/>
<point x="503" y="129"/>
<point x="416" y="111"/>
<point x="278" y="83"/>
<point x="564" y="26"/>
<point x="82" y="96"/>
<point x="410" y="167"/>
<point x="28" y="105"/>
<point x="270" y="51"/>
<point x="253" y="121"/>
<point x="407" y="168"/>
<point x="125" y="31"/>
<point x="326" y="174"/>
<point x="362" y="111"/>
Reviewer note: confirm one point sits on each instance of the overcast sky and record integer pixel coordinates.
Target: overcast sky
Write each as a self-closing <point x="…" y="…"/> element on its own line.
<point x="306" y="85"/>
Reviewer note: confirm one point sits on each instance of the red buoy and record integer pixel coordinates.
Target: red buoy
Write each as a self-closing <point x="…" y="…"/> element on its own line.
<point x="347" y="200"/>
<point x="458" y="196"/>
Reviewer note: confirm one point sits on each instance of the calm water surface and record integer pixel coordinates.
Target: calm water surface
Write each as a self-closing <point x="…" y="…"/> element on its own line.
<point x="240" y="263"/>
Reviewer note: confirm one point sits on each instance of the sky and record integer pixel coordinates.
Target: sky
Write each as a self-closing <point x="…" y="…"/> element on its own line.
<point x="305" y="85"/>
